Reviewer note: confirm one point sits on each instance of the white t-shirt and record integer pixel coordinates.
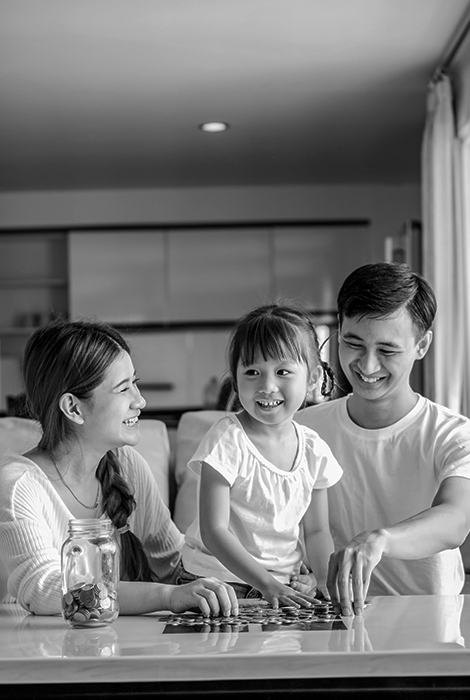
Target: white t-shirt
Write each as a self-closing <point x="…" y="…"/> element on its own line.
<point x="267" y="504"/>
<point x="391" y="474"/>
<point x="34" y="524"/>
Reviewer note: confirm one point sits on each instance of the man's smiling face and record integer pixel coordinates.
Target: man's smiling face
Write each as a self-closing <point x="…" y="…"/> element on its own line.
<point x="378" y="354"/>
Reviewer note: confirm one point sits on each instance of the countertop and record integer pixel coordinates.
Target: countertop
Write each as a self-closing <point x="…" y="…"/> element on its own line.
<point x="415" y="636"/>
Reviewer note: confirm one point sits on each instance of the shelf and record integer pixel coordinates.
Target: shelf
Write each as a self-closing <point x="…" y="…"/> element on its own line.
<point x="17" y="330"/>
<point x="17" y="283"/>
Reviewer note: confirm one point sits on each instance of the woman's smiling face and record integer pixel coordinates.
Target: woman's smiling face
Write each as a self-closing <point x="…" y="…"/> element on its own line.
<point x="111" y="414"/>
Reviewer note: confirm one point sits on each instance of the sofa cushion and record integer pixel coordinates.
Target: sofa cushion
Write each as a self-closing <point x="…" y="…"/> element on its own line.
<point x="191" y="428"/>
<point x="22" y="434"/>
<point x="18" y="434"/>
<point x="154" y="446"/>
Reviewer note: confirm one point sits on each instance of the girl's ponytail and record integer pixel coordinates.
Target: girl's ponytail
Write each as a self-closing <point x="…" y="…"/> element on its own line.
<point x="329" y="382"/>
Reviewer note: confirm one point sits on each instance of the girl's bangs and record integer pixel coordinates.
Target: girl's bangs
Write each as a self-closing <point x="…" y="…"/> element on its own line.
<point x="278" y="343"/>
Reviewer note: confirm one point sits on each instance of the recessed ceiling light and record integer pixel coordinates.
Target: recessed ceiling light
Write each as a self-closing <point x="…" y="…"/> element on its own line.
<point x="213" y="127"/>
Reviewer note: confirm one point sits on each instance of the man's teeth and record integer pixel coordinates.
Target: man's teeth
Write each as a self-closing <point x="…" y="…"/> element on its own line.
<point x="269" y="404"/>
<point x="131" y="421"/>
<point x="369" y="380"/>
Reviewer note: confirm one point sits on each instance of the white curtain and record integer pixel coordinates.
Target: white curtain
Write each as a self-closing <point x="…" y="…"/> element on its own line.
<point x="446" y="250"/>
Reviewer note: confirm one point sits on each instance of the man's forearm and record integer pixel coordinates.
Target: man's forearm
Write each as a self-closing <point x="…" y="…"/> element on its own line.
<point x="424" y="534"/>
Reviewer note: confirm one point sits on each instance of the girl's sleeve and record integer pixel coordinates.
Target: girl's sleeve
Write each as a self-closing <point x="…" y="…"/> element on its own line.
<point x="322" y="463"/>
<point x="151" y="520"/>
<point x="31" y="560"/>
<point x="221" y="447"/>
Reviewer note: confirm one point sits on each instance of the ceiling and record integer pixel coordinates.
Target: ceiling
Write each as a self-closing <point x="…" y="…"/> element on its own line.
<point x="110" y="93"/>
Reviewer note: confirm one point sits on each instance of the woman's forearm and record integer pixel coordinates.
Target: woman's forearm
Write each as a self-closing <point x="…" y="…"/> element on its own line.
<point x="140" y="597"/>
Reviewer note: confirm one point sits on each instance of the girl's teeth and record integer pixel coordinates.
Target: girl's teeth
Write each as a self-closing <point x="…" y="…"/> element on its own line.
<point x="369" y="380"/>
<point x="269" y="404"/>
<point x="131" y="421"/>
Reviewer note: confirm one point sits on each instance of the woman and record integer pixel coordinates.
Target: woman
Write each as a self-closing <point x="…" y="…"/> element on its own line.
<point x="81" y="386"/>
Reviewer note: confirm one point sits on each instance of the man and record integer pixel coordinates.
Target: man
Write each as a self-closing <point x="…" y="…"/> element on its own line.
<point x="401" y="509"/>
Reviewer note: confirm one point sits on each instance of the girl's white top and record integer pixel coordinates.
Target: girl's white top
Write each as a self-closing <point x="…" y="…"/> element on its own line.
<point x="267" y="504"/>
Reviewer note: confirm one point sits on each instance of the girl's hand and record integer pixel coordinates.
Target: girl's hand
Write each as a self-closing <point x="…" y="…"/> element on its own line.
<point x="279" y="594"/>
<point x="306" y="583"/>
<point x="211" y="596"/>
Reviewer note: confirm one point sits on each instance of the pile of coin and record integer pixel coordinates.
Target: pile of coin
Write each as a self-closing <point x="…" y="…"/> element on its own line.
<point x="89" y="604"/>
<point x="263" y="615"/>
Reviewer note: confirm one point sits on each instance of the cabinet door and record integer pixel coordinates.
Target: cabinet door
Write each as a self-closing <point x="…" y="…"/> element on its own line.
<point x="175" y="366"/>
<point x="118" y="276"/>
<point x="311" y="262"/>
<point x="217" y="274"/>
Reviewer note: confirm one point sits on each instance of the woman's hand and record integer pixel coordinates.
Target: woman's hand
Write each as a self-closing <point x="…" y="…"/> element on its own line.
<point x="211" y="596"/>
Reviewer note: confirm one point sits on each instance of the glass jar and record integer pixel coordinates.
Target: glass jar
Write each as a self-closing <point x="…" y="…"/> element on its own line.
<point x="90" y="573"/>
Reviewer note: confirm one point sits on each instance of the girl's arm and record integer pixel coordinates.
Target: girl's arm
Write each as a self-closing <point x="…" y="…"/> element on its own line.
<point x="214" y="516"/>
<point x="318" y="540"/>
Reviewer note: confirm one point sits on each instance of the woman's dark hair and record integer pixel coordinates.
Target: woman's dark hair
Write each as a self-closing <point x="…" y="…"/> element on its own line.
<point x="380" y="289"/>
<point x="73" y="357"/>
<point x="277" y="331"/>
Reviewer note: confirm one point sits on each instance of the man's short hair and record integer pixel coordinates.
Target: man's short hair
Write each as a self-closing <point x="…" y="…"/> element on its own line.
<point x="378" y="290"/>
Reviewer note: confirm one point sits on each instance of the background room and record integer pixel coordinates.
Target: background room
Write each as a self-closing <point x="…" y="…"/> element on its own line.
<point x="114" y="203"/>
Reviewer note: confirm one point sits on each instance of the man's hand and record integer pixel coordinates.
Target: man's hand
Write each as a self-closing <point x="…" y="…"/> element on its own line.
<point x="350" y="569"/>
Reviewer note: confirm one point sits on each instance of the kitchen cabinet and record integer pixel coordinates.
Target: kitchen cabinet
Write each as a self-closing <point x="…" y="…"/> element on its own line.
<point x="33" y="288"/>
<point x="118" y="276"/>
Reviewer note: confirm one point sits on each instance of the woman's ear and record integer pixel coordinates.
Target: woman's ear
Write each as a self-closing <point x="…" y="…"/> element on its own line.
<point x="70" y="407"/>
<point x="423" y="345"/>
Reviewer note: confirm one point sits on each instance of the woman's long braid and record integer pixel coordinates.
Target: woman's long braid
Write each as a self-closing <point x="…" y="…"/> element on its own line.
<point x="118" y="504"/>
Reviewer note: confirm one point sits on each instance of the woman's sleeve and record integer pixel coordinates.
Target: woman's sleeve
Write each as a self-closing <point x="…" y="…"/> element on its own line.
<point x="27" y="550"/>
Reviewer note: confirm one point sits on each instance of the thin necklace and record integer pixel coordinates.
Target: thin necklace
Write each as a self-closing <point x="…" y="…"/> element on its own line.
<point x="97" y="497"/>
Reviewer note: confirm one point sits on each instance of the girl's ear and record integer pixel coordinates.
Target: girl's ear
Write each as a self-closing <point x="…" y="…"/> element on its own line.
<point x="70" y="407"/>
<point x="423" y="344"/>
<point x="315" y="376"/>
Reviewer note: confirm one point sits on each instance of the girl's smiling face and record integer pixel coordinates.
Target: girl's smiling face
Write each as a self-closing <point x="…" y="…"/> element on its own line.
<point x="272" y="390"/>
<point x="110" y="416"/>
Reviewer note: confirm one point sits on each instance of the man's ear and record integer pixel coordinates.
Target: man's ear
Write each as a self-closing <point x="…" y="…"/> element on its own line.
<point x="423" y="345"/>
<point x="70" y="407"/>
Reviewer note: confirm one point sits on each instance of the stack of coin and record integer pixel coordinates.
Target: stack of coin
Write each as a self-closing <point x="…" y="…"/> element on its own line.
<point x="89" y="604"/>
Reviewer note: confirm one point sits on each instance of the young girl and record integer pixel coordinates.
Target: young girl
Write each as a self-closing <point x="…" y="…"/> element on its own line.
<point x="263" y="477"/>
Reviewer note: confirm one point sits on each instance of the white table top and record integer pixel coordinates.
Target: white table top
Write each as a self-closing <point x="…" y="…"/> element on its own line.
<point x="396" y="637"/>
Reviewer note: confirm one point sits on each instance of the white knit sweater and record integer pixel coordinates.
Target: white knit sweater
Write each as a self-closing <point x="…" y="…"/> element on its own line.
<point x="34" y="524"/>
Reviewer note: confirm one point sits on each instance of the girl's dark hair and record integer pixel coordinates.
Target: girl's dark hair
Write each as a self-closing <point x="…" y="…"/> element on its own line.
<point x="73" y="357"/>
<point x="380" y="289"/>
<point x="277" y="331"/>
